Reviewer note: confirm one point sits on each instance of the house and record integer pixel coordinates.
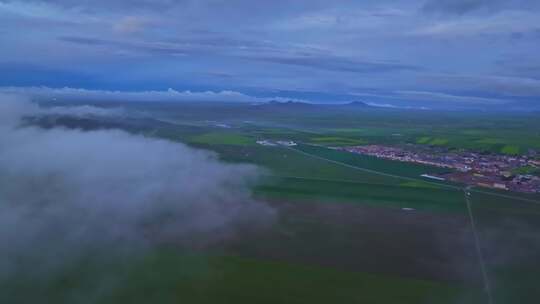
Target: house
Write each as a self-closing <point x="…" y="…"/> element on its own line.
<point x="500" y="186"/>
<point x="288" y="143"/>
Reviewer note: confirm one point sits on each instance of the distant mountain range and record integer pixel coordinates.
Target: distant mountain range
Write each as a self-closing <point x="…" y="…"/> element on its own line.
<point x="283" y="105"/>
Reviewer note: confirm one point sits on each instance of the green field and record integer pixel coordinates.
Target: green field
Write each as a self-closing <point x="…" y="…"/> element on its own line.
<point x="381" y="195"/>
<point x="168" y="277"/>
<point x="222" y="138"/>
<point x="337" y="141"/>
<point x="510" y="149"/>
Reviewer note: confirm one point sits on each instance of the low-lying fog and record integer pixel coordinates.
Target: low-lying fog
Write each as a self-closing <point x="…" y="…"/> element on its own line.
<point x="64" y="192"/>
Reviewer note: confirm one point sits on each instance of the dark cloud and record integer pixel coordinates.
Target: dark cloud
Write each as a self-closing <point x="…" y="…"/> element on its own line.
<point x="176" y="45"/>
<point x="252" y="50"/>
<point x="87" y="41"/>
<point x="340" y="64"/>
<point x="131" y="46"/>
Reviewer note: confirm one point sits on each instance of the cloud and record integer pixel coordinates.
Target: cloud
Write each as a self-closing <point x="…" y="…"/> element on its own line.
<point x="131" y="47"/>
<point x="392" y="106"/>
<point x="100" y="5"/>
<point x="84" y="111"/>
<point x="208" y="43"/>
<point x="130" y="24"/>
<point x="248" y="49"/>
<point x="433" y="98"/>
<point x="67" y="193"/>
<point x="449" y="98"/>
<point x="171" y="95"/>
<point x="502" y="86"/>
<point x="456" y="6"/>
<point x="461" y="7"/>
<point x="382" y="105"/>
<point x="340" y="64"/>
<point x="511" y="22"/>
<point x="348" y="18"/>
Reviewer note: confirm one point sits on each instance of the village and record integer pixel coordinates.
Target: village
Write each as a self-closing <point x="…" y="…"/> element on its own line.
<point x="505" y="172"/>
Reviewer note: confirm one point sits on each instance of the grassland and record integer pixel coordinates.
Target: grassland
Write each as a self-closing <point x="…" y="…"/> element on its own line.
<point x="510" y="149"/>
<point x="381" y="195"/>
<point x="222" y="138"/>
<point x="336" y="141"/>
<point x="418" y="184"/>
<point x="168" y="277"/>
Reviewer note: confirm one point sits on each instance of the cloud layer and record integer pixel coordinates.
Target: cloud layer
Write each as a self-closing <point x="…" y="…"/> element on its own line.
<point x="66" y="193"/>
<point x="170" y="95"/>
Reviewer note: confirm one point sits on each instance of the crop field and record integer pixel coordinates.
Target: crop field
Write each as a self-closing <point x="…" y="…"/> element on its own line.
<point x="337" y="141"/>
<point x="222" y="138"/>
<point x="381" y="195"/>
<point x="348" y="228"/>
<point x="509" y="235"/>
<point x="168" y="277"/>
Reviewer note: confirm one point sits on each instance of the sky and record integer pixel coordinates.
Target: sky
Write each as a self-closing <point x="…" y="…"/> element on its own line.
<point x="430" y="53"/>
